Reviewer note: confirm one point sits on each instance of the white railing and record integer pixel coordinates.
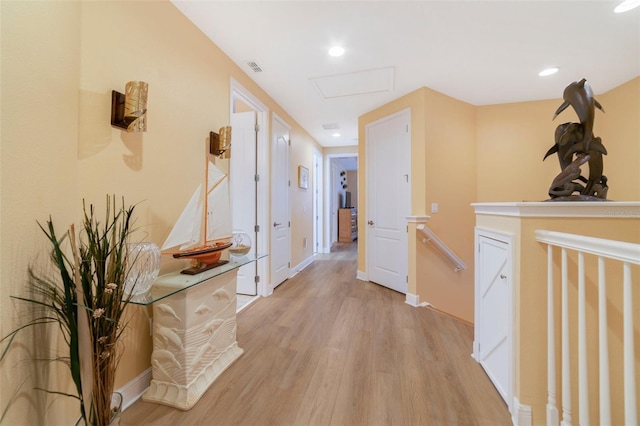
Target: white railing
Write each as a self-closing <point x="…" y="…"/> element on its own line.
<point x="430" y="236"/>
<point x="625" y="254"/>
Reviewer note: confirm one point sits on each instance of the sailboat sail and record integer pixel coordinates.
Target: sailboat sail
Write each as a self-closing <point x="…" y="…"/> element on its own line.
<point x="186" y="232"/>
<point x="218" y="205"/>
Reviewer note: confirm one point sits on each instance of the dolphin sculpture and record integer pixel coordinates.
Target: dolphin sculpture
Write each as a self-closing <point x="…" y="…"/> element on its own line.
<point x="580" y="96"/>
<point x="567" y="135"/>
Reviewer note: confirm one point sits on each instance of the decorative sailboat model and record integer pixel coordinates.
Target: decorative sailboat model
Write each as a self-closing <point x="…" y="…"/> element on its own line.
<point x="203" y="229"/>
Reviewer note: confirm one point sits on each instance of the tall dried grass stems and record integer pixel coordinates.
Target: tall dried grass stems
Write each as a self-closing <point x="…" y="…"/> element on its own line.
<point x="87" y="300"/>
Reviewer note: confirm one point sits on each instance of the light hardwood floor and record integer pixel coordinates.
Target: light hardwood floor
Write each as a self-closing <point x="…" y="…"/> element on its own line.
<point x="327" y="349"/>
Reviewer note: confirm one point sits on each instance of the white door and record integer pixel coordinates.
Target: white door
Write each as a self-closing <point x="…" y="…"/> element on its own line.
<point x="494" y="307"/>
<point x="388" y="143"/>
<point x="280" y="221"/>
<point x="243" y="190"/>
<point x="317" y="206"/>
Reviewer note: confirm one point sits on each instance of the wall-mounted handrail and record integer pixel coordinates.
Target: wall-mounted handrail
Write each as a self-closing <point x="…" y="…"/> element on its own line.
<point x="430" y="236"/>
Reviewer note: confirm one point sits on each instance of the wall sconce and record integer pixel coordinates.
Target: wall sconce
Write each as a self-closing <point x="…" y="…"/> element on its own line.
<point x="129" y="110"/>
<point x="220" y="143"/>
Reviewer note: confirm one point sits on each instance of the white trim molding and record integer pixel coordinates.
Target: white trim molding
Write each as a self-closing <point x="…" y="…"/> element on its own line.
<point x="132" y="391"/>
<point x="238" y="91"/>
<point x="300" y="266"/>
<point x="476" y="351"/>
<point x="412" y="300"/>
<point x="362" y="276"/>
<point x="606" y="209"/>
<point x="417" y="219"/>
<point x="521" y="414"/>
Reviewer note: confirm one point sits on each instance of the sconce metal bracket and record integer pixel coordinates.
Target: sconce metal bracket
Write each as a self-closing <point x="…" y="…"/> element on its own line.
<point x="117" y="110"/>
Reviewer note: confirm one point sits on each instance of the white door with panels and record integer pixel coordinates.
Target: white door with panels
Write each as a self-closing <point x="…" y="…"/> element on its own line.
<point x="493" y="341"/>
<point x="280" y="221"/>
<point x="242" y="165"/>
<point x="388" y="157"/>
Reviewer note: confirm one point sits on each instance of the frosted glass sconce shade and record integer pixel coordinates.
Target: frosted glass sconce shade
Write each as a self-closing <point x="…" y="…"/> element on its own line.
<point x="129" y="110"/>
<point x="220" y="143"/>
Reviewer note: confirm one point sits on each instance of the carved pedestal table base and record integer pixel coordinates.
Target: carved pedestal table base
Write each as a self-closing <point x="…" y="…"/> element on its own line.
<point x="194" y="338"/>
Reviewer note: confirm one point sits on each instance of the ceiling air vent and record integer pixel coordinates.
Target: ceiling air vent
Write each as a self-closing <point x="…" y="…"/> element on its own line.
<point x="254" y="67"/>
<point x="330" y="126"/>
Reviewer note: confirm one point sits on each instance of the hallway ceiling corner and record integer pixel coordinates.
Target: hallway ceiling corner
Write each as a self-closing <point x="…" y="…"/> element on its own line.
<point x="481" y="52"/>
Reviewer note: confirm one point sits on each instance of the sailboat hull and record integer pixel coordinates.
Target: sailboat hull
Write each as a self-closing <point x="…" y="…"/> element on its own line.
<point x="195" y="270"/>
<point x="208" y="254"/>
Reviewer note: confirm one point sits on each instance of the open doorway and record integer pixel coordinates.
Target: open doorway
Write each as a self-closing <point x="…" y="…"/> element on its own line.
<point x="341" y="200"/>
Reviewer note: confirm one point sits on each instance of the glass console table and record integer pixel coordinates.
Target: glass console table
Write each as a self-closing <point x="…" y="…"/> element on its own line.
<point x="194" y="331"/>
<point x="175" y="282"/>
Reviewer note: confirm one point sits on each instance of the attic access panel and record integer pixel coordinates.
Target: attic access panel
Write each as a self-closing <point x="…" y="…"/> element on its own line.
<point x="355" y="83"/>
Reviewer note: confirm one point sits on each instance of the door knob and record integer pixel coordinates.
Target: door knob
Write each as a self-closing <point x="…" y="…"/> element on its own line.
<point x="370" y="222"/>
<point x="276" y="224"/>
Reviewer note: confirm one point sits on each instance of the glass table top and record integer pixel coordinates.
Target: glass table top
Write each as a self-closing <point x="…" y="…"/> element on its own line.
<point x="175" y="282"/>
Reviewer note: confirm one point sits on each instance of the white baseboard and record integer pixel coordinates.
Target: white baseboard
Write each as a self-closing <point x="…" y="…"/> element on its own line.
<point x="476" y="351"/>
<point x="414" y="300"/>
<point x="300" y="266"/>
<point x="362" y="276"/>
<point x="520" y="413"/>
<point x="133" y="390"/>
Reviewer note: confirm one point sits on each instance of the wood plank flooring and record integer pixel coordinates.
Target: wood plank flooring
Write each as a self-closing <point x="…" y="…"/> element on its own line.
<point x="327" y="349"/>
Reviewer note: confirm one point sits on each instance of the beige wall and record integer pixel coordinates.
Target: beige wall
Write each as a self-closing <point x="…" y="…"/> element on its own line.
<point x="301" y="199"/>
<point x="443" y="171"/>
<point x="39" y="177"/>
<point x="463" y="154"/>
<point x="620" y="133"/>
<point x="450" y="175"/>
<point x="60" y="61"/>
<point x="512" y="139"/>
<point x="351" y="149"/>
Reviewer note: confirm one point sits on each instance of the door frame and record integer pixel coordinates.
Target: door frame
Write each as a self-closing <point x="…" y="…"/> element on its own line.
<point x="328" y="193"/>
<point x="276" y="117"/>
<point x="363" y="220"/>
<point x="317" y="201"/>
<point x="238" y="91"/>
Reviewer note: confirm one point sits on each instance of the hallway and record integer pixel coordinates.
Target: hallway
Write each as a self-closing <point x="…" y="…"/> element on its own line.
<point x="326" y="349"/>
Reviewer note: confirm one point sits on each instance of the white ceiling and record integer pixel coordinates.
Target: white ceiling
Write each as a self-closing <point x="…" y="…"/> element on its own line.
<point x="481" y="52"/>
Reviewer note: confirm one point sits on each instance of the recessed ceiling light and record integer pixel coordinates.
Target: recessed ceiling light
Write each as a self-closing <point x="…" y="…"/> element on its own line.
<point x="336" y="51"/>
<point x="548" y="71"/>
<point x="626" y="5"/>
<point x="336" y="135"/>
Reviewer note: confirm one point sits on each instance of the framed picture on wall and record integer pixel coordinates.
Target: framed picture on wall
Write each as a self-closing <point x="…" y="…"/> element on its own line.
<point x="303" y="177"/>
